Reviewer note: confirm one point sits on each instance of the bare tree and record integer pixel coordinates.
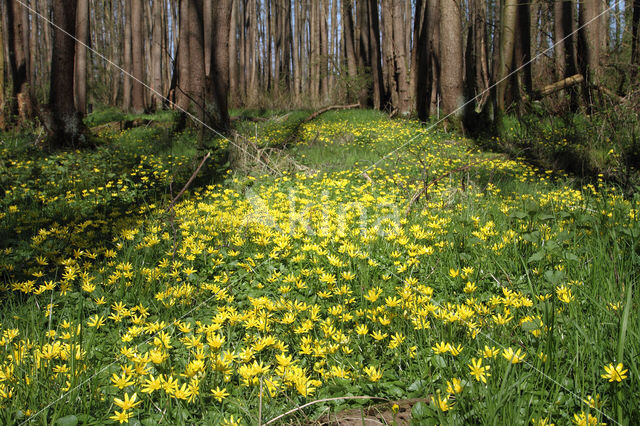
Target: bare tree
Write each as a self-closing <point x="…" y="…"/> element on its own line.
<point x="137" y="56"/>
<point x="451" y="79"/>
<point x="400" y="55"/>
<point x="507" y="40"/>
<point x="22" y="104"/>
<point x="3" y="120"/>
<point x="66" y="128"/>
<point x="157" y="43"/>
<point x="80" y="76"/>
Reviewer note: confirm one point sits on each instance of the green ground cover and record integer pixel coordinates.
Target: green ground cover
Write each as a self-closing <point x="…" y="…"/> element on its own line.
<point x="502" y="294"/>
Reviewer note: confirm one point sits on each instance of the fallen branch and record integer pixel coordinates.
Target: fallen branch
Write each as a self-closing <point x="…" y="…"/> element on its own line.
<point x="186" y="185"/>
<point x="559" y="85"/>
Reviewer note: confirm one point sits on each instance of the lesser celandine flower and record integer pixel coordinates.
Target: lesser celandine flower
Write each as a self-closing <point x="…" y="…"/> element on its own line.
<point x="478" y="371"/>
<point x="614" y="374"/>
<point x="515" y="357"/>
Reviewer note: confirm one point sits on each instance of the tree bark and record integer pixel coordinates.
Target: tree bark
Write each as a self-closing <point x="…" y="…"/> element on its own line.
<point x="156" y="55"/>
<point x="66" y="122"/>
<point x="400" y="56"/>
<point x="127" y="62"/>
<point x="3" y="119"/>
<point x="82" y="28"/>
<point x="22" y="106"/>
<point x="635" y="34"/>
<point x="137" y="56"/>
<point x="507" y="39"/>
<point x="233" y="53"/>
<point x="219" y="77"/>
<point x="349" y="47"/>
<point x="451" y="79"/>
<point x="376" y="66"/>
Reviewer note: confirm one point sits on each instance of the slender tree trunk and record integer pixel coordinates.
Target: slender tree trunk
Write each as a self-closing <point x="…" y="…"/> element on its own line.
<point x="349" y="47"/>
<point x="33" y="43"/>
<point x="233" y="53"/>
<point x="376" y="66"/>
<point x="80" y="76"/>
<point x="156" y="54"/>
<point x="389" y="69"/>
<point x="196" y="68"/>
<point x="219" y="78"/>
<point x="399" y="41"/>
<point x="451" y="79"/>
<point x="207" y="25"/>
<point x="635" y="34"/>
<point x="127" y="62"/>
<point x="66" y="126"/>
<point x="137" y="56"/>
<point x="3" y="119"/>
<point x="183" y="84"/>
<point x="18" y="58"/>
<point x="507" y="39"/>
<point x="434" y="54"/>
<point x="589" y="47"/>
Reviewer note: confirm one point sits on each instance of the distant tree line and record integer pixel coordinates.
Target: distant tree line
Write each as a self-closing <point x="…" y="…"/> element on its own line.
<point x="403" y="56"/>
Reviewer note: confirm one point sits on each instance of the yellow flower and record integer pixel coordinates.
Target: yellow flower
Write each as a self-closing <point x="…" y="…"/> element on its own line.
<point x="490" y="352"/>
<point x="373" y="373"/>
<point x="219" y="394"/>
<point x="443" y="403"/>
<point x="454" y="386"/>
<point x="614" y="374"/>
<point x="514" y="357"/>
<point x="362" y="329"/>
<point x="441" y="348"/>
<point x="128" y="403"/>
<point x="479" y="371"/>
<point x="121" y="416"/>
<point x="121" y="381"/>
<point x="584" y="419"/>
<point x="152" y="384"/>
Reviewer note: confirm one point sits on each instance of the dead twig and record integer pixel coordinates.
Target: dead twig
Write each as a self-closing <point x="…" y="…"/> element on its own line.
<point x="186" y="185"/>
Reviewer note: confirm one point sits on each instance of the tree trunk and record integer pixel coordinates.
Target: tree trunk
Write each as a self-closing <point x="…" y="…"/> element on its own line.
<point x="82" y="28"/>
<point x="635" y="34"/>
<point x="421" y="59"/>
<point x="219" y="77"/>
<point x="400" y="56"/>
<point x="156" y="55"/>
<point x="507" y="39"/>
<point x="451" y="79"/>
<point x="23" y="104"/>
<point x="349" y="47"/>
<point x="183" y="84"/>
<point x="66" y="122"/>
<point x="589" y="47"/>
<point x="128" y="66"/>
<point x="389" y="70"/>
<point x="376" y="67"/>
<point x="196" y="67"/>
<point x="3" y="119"/>
<point x="233" y="53"/>
<point x="137" y="56"/>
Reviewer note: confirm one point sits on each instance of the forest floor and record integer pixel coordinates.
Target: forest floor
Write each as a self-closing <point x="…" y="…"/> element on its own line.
<point x="369" y="261"/>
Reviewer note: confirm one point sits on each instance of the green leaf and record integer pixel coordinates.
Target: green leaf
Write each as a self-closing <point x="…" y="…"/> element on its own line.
<point x="70" y="420"/>
<point x="420" y="411"/>
<point x="536" y="257"/>
<point x="417" y="385"/>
